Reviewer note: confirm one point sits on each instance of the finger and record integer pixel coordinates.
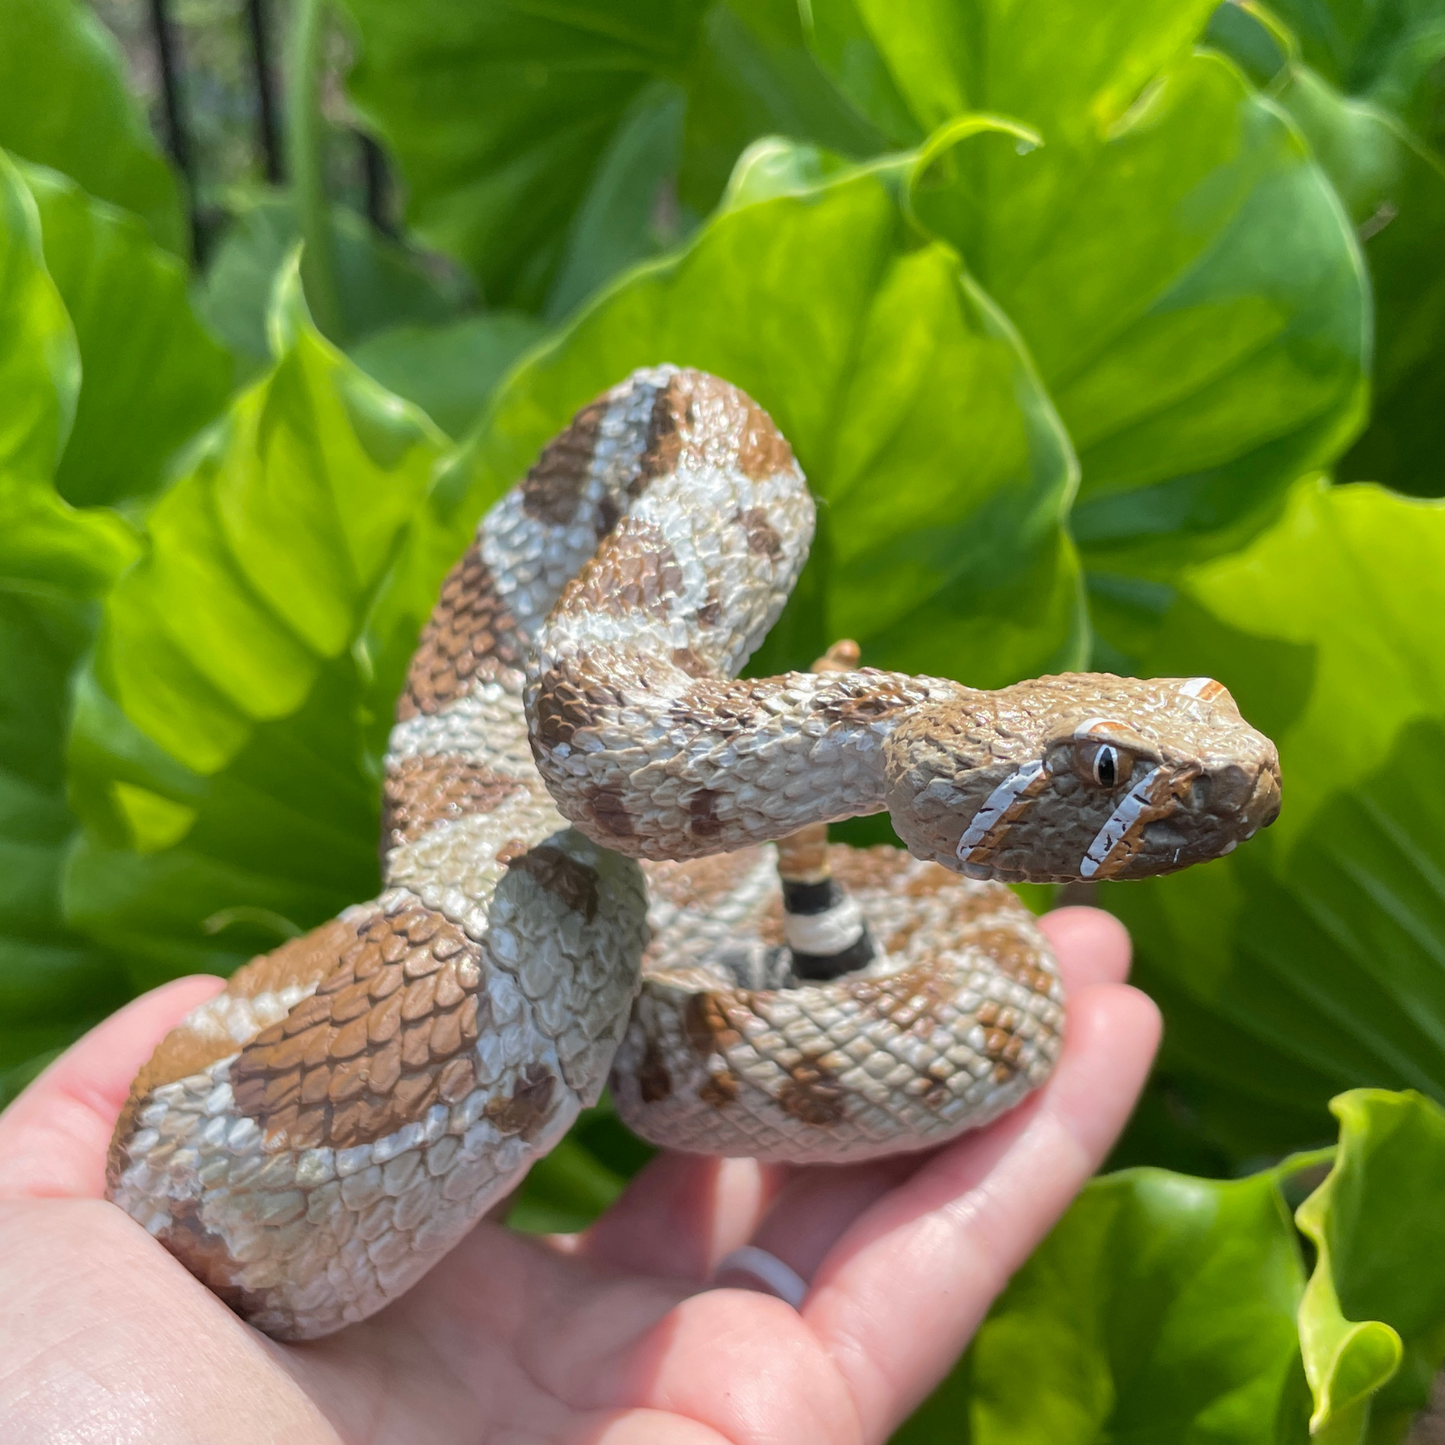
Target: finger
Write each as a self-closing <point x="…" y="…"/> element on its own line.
<point x="902" y="1291"/>
<point x="1093" y="946"/>
<point x="54" y="1136"/>
<point x="683" y="1213"/>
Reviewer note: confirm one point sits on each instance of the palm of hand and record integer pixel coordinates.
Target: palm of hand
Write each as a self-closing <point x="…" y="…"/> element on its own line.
<point x="608" y="1338"/>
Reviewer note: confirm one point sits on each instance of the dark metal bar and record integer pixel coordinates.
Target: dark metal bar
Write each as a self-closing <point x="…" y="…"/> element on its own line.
<point x="177" y="142"/>
<point x="378" y="185"/>
<point x="266" y="126"/>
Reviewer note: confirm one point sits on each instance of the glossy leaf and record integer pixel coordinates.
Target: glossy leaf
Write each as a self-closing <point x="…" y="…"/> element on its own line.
<point x="53" y="562"/>
<point x="548" y="149"/>
<point x="219" y="753"/>
<point x="151" y="374"/>
<point x="64" y="104"/>
<point x="1068" y="70"/>
<point x="381" y="285"/>
<point x="1160" y="1308"/>
<point x="942" y="470"/>
<point x="1394" y="190"/>
<point x="1310" y="959"/>
<point x="1393" y="187"/>
<point x="450" y="370"/>
<point x="1194" y="299"/>
<point x="1372" y="1321"/>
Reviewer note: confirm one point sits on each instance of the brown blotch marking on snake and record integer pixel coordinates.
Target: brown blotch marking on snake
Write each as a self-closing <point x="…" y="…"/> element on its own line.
<point x="1015" y="956"/>
<point x="562" y="876"/>
<point x="763" y="451"/>
<point x="1001" y="1046"/>
<point x="634" y="571"/>
<point x="570" y="697"/>
<point x="860" y="705"/>
<point x="421" y="791"/>
<point x="710" y="613"/>
<point x="607" y="807"/>
<point x="690" y="663"/>
<point x="469" y="633"/>
<point x="671" y="414"/>
<point x="719" y="1089"/>
<point x="529" y="1106"/>
<point x="206" y="1256"/>
<point x="711" y="1033"/>
<point x="812" y="1094"/>
<point x="299" y="963"/>
<point x="764" y="539"/>
<point x="555" y="482"/>
<point x="702" y="818"/>
<point x="654" y="1082"/>
<point x="388" y="1033"/>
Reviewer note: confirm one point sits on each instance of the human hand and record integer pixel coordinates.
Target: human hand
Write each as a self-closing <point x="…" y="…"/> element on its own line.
<point x="612" y="1337"/>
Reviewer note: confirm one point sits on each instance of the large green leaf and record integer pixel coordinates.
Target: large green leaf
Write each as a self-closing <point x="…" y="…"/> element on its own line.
<point x="380" y="284"/>
<point x="943" y="473"/>
<point x="1193" y="297"/>
<point x="450" y="370"/>
<point x="1372" y="1321"/>
<point x="1393" y="187"/>
<point x="1162" y="1308"/>
<point x="1070" y="70"/>
<point x="542" y="147"/>
<point x="64" y="104"/>
<point x="1311" y="959"/>
<point x="151" y="374"/>
<point x="220" y="747"/>
<point x="1174" y="259"/>
<point x="53" y="561"/>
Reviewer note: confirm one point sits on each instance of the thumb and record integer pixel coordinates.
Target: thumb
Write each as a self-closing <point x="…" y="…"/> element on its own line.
<point x="53" y="1138"/>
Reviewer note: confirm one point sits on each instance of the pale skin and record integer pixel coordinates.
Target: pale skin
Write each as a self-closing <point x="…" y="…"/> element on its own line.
<point x="612" y="1337"/>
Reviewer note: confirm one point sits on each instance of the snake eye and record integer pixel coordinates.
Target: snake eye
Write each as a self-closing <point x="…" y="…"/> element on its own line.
<point x="1106" y="766"/>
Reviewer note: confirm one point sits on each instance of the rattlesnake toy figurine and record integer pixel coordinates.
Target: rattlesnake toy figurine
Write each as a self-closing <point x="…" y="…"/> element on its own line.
<point x="312" y="1140"/>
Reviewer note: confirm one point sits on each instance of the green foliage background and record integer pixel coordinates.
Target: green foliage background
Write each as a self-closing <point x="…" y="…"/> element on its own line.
<point x="1109" y="335"/>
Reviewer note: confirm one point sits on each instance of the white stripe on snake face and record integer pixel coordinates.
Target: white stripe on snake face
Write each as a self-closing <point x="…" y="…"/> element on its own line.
<point x="1199" y="686"/>
<point x="1121" y="822"/>
<point x="825" y="933"/>
<point x="996" y="805"/>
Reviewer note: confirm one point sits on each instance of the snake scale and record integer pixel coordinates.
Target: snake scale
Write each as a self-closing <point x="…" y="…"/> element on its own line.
<point x="313" y="1139"/>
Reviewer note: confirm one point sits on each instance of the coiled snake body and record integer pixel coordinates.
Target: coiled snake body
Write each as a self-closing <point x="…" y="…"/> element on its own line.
<point x="315" y="1138"/>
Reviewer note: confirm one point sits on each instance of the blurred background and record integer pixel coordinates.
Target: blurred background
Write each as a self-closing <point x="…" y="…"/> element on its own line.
<point x="1110" y="335"/>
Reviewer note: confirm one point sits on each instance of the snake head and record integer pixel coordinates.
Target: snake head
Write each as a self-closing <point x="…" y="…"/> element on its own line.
<point x="1083" y="776"/>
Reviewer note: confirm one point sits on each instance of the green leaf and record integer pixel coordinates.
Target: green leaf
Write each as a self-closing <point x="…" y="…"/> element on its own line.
<point x="1224" y="355"/>
<point x="1161" y="1308"/>
<point x="1310" y="959"/>
<point x="222" y="753"/>
<point x="1387" y="54"/>
<point x="547" y="149"/>
<point x="1071" y="72"/>
<point x="942" y="471"/>
<point x="1394" y="190"/>
<point x="152" y="376"/>
<point x="381" y="284"/>
<point x="449" y="371"/>
<point x="1372" y="1321"/>
<point x="64" y="104"/>
<point x="53" y="562"/>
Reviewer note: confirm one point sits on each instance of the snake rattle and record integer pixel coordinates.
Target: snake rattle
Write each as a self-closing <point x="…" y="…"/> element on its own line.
<point x="312" y="1140"/>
